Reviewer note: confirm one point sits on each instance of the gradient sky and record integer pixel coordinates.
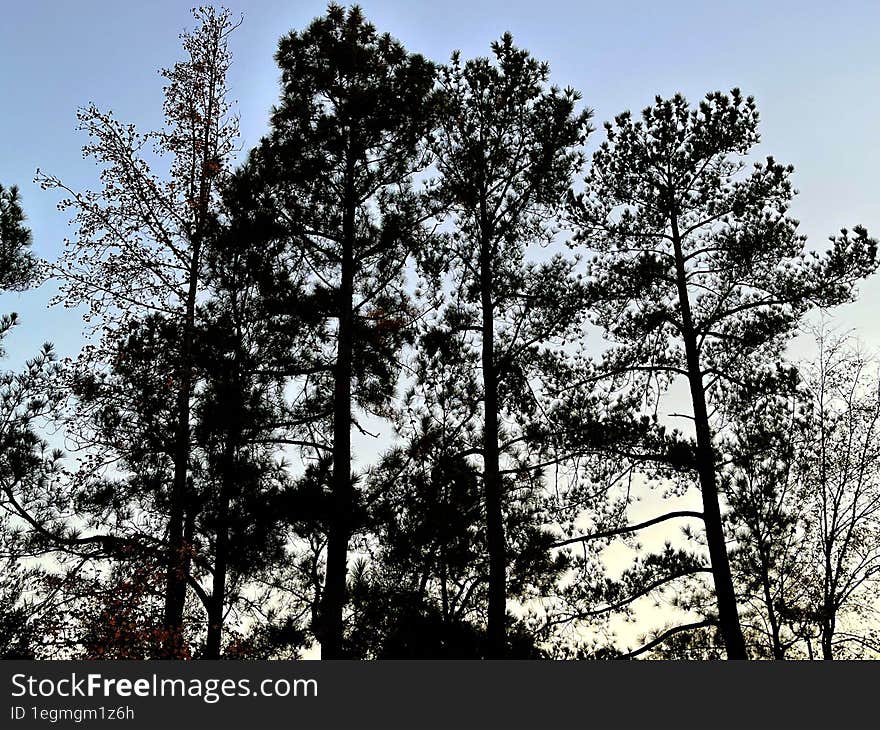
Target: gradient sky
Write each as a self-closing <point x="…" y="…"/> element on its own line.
<point x="813" y="67"/>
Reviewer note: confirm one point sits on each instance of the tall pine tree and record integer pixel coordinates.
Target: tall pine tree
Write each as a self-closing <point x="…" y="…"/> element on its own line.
<point x="336" y="172"/>
<point x="506" y="150"/>
<point x="698" y="272"/>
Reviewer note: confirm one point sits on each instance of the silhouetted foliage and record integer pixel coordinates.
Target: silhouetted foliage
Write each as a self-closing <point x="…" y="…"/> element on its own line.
<point x="336" y="172"/>
<point x="394" y="386"/>
<point x="27" y="464"/>
<point x="506" y="148"/>
<point x="699" y="273"/>
<point x="18" y="267"/>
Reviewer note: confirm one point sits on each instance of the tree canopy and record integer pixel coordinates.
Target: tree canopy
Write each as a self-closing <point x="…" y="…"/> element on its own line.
<point x="419" y="376"/>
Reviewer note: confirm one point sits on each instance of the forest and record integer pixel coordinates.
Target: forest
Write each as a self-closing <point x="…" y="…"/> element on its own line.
<point x="419" y="377"/>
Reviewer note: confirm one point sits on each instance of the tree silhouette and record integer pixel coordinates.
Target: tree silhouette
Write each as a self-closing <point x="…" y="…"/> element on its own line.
<point x="506" y="149"/>
<point x="241" y="526"/>
<point x="346" y="139"/>
<point x="699" y="271"/>
<point x="140" y="240"/>
<point x="766" y="518"/>
<point x="423" y="592"/>
<point x="838" y="478"/>
<point x="26" y="462"/>
<point x="18" y="267"/>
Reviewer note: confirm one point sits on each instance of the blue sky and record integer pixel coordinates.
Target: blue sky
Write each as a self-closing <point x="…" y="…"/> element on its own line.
<point x="813" y="67"/>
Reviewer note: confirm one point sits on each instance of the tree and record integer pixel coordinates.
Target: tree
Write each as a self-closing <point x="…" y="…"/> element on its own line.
<point x="241" y="523"/>
<point x="26" y="462"/>
<point x="336" y="170"/>
<point x="506" y="150"/>
<point x="18" y="267"/>
<point x="838" y="478"/>
<point x="699" y="273"/>
<point x="422" y="591"/>
<point x="140" y="240"/>
<point x="803" y="498"/>
<point x="766" y="517"/>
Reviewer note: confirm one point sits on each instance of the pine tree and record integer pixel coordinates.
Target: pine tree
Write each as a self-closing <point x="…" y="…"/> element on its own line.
<point x="422" y="592"/>
<point x="336" y="171"/>
<point x="18" y="267"/>
<point x="760" y="485"/>
<point x="506" y="150"/>
<point x="241" y="527"/>
<point x="27" y="464"/>
<point x="699" y="272"/>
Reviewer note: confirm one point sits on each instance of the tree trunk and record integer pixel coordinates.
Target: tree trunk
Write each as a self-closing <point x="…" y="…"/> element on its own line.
<point x="175" y="585"/>
<point x="218" y="587"/>
<point x="778" y="650"/>
<point x="827" y="637"/>
<point x="218" y="597"/>
<point x="725" y="595"/>
<point x="178" y="549"/>
<point x="334" y="598"/>
<point x="497" y="610"/>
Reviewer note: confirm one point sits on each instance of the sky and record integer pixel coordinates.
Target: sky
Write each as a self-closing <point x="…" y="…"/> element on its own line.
<point x="812" y="66"/>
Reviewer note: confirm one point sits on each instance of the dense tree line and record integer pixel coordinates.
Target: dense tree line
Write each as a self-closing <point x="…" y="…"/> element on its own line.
<point x="394" y="383"/>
